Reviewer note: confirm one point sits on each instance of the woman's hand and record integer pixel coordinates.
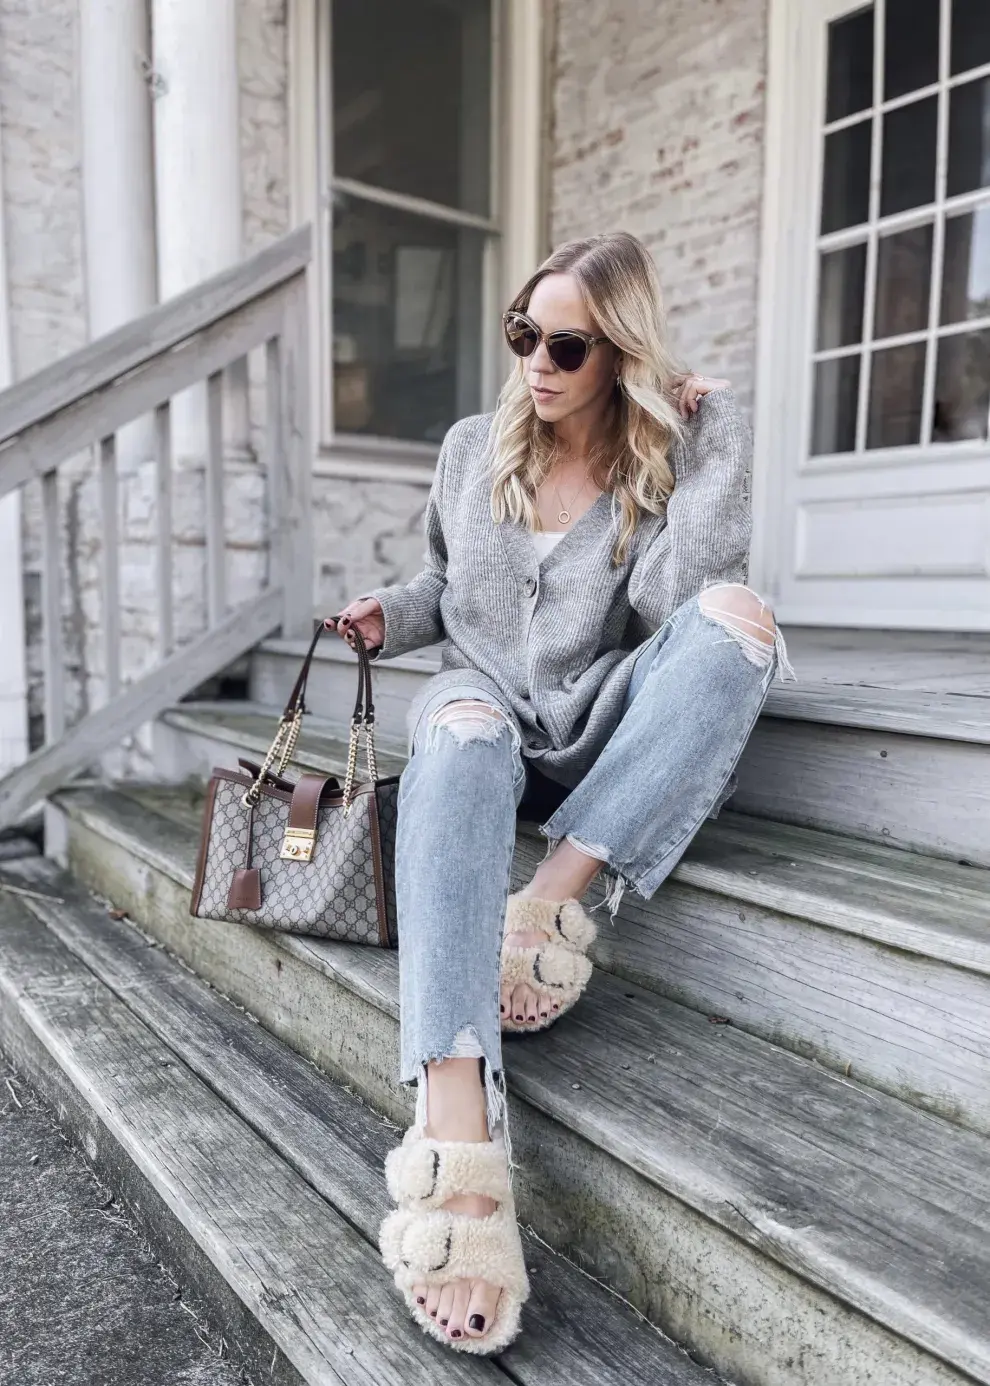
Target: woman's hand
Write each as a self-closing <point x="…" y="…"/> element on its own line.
<point x="692" y="388"/>
<point x="366" y="614"/>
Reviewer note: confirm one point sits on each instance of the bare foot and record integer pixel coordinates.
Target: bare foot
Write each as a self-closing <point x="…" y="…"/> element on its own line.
<point x="456" y="1105"/>
<point x="565" y="875"/>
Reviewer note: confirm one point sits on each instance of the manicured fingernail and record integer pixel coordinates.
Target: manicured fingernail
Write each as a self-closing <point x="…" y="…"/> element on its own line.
<point x="455" y="1332"/>
<point x="477" y="1322"/>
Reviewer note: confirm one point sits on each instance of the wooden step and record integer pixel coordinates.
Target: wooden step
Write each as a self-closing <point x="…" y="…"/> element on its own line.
<point x="787" y="1224"/>
<point x="260" y="1173"/>
<point x="899" y="766"/>
<point x="872" y="960"/>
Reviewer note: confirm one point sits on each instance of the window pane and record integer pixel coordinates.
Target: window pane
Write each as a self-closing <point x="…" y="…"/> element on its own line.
<point x="966" y="276"/>
<point x="411" y="89"/>
<point x="970" y="34"/>
<point x="904" y="265"/>
<point x="909" y="156"/>
<point x="840" y="297"/>
<point x="896" y="387"/>
<point x="969" y="137"/>
<point x="962" y="387"/>
<point x="836" y="396"/>
<point x="910" y="56"/>
<point x="406" y="322"/>
<point x="850" y="65"/>
<point x="846" y="183"/>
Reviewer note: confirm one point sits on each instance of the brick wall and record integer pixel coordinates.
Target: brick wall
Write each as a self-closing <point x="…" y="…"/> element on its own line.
<point x="658" y="130"/>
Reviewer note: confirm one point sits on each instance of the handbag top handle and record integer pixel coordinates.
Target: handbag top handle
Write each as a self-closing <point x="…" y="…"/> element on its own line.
<point x="284" y="744"/>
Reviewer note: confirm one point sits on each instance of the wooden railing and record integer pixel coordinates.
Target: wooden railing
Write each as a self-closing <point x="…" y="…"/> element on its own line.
<point x="84" y="400"/>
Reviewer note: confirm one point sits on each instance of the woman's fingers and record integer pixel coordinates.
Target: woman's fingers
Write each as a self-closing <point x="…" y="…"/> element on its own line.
<point x="693" y="388"/>
<point x="366" y="614"/>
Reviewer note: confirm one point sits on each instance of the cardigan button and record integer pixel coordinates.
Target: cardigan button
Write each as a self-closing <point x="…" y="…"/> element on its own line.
<point x="529" y="586"/>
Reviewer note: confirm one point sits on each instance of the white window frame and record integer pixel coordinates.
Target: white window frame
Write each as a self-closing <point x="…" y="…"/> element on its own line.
<point x="789" y="287"/>
<point x="516" y="230"/>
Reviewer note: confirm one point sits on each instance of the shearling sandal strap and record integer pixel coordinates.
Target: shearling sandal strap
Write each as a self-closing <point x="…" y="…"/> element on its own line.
<point x="556" y="967"/>
<point x="564" y="920"/>
<point x="428" y="1172"/>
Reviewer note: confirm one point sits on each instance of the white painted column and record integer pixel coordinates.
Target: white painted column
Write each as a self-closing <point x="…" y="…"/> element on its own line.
<point x="197" y="175"/>
<point x="117" y="164"/>
<point x="13" y="663"/>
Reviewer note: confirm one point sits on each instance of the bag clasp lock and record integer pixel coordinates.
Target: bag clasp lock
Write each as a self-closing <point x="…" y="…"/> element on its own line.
<point x="298" y="844"/>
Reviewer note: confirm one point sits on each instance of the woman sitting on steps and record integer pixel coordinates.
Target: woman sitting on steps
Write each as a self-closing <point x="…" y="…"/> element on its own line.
<point x="587" y="554"/>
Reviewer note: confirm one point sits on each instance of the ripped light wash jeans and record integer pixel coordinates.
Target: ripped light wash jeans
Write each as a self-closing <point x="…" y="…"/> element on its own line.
<point x="695" y="693"/>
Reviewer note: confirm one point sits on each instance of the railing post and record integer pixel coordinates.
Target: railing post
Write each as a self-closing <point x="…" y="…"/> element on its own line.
<point x="292" y="485"/>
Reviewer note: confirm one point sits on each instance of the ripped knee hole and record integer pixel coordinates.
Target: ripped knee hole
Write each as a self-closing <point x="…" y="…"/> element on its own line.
<point x="467" y="719"/>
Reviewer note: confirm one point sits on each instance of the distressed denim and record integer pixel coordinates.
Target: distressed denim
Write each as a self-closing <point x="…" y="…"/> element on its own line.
<point x="695" y="693"/>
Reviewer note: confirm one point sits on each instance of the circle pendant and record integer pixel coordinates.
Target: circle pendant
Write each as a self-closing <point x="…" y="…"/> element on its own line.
<point x="563" y="517"/>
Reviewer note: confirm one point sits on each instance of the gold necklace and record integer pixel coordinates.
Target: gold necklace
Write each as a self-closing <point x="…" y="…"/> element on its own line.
<point x="564" y="514"/>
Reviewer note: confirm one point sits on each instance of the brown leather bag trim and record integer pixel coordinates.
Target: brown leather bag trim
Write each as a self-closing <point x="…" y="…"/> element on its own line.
<point x="304" y="808"/>
<point x="204" y="843"/>
<point x="376" y="857"/>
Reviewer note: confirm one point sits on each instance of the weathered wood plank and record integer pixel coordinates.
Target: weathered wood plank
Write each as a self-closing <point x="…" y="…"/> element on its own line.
<point x="94" y="367"/>
<point x="216" y="552"/>
<point x="51" y="601"/>
<point x="920" y="793"/>
<point x="110" y="563"/>
<point x="163" y="528"/>
<point x="100" y="730"/>
<point x="953" y="716"/>
<point x="574" y="1332"/>
<point x="317" y="1287"/>
<point x="58" y="435"/>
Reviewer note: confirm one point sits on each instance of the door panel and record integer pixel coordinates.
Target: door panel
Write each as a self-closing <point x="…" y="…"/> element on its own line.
<point x="872" y="472"/>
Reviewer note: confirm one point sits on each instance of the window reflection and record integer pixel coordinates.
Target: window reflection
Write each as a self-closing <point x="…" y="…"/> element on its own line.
<point x="407" y="322"/>
<point x="836" y="400"/>
<point x="910" y="56"/>
<point x="896" y="386"/>
<point x="850" y="65"/>
<point x="846" y="186"/>
<point x="969" y="137"/>
<point x="909" y="136"/>
<point x="962" y="388"/>
<point x="966" y="276"/>
<point x="904" y="264"/>
<point x="841" y="291"/>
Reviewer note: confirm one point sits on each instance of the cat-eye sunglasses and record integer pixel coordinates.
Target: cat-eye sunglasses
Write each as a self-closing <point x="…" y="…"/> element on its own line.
<point x="567" y="348"/>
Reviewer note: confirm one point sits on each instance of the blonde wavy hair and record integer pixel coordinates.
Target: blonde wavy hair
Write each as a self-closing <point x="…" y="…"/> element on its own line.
<point x="620" y="286"/>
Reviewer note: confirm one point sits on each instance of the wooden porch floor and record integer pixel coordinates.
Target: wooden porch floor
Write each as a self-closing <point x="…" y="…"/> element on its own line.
<point x="938" y="662"/>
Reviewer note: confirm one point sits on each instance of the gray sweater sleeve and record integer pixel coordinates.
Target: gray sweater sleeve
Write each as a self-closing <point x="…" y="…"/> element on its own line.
<point x="706" y="537"/>
<point x="412" y="609"/>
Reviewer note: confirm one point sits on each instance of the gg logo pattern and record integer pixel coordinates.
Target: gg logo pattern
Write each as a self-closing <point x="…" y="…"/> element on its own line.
<point x="331" y="896"/>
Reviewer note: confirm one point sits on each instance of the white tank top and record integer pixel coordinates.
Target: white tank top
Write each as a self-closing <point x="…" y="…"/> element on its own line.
<point x="546" y="540"/>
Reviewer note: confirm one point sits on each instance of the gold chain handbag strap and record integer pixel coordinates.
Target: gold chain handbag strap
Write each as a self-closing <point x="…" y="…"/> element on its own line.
<point x="283" y="744"/>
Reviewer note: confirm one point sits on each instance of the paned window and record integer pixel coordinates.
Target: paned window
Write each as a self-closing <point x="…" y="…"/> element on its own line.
<point x="902" y="342"/>
<point x="413" y="215"/>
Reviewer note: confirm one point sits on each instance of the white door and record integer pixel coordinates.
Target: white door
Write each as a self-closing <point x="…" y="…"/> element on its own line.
<point x="872" y="470"/>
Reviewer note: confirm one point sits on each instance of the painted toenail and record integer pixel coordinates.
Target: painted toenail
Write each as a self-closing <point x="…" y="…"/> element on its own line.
<point x="519" y="1017"/>
<point x="477" y="1322"/>
<point x="455" y="1332"/>
<point x="433" y="1313"/>
<point x="420" y="1299"/>
<point x="445" y="1322"/>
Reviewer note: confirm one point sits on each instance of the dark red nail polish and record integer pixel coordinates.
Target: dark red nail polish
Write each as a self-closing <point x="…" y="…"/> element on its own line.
<point x="433" y="1313"/>
<point x="420" y="1299"/>
<point x="477" y="1322"/>
<point x="455" y="1333"/>
<point x="444" y="1322"/>
<point x="519" y="1017"/>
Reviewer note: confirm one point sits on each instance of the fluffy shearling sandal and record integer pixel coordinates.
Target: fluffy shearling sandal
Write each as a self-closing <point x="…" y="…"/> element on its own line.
<point x="425" y="1244"/>
<point x="557" y="967"/>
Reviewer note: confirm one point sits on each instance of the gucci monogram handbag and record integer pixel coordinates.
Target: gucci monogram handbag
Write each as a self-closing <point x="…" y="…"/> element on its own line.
<point x="303" y="856"/>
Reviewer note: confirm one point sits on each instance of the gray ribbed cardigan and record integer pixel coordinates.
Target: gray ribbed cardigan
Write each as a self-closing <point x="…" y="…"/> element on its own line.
<point x="553" y="642"/>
